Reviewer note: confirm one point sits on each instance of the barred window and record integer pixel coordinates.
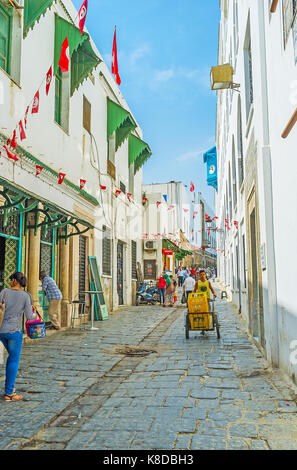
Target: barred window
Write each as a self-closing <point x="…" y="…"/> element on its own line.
<point x="106" y="251"/>
<point x="134" y="259"/>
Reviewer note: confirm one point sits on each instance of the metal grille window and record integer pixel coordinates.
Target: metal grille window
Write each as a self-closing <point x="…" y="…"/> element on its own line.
<point x="134" y="260"/>
<point x="106" y="251"/>
<point x="82" y="265"/>
<point x="47" y="252"/>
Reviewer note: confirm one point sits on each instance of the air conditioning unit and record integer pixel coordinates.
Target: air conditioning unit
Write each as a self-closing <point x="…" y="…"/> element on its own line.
<point x="150" y="245"/>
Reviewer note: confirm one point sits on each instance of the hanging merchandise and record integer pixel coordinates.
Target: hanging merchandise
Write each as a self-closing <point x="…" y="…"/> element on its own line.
<point x="82" y="14"/>
<point x="35" y="106"/>
<point x="61" y="178"/>
<point x="38" y="169"/>
<point x="49" y="77"/>
<point x="65" y="56"/>
<point x="114" y="63"/>
<point x="21" y="130"/>
<point x="82" y="183"/>
<point x="11" y="155"/>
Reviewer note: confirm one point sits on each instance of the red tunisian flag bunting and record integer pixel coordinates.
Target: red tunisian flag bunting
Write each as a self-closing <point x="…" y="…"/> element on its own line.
<point x="82" y="183"/>
<point x="22" y="132"/>
<point x="192" y="187"/>
<point x="118" y="192"/>
<point x="129" y="196"/>
<point x="26" y="117"/>
<point x="38" y="169"/>
<point x="11" y="155"/>
<point x="49" y="77"/>
<point x="35" y="106"/>
<point x="82" y="15"/>
<point x="114" y="62"/>
<point x="186" y="210"/>
<point x="158" y="203"/>
<point x="102" y="187"/>
<point x="61" y="178"/>
<point x="13" y="142"/>
<point x="65" y="56"/>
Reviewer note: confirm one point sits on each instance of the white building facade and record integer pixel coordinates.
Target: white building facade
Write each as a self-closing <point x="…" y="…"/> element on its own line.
<point x="257" y="171"/>
<point x="84" y="130"/>
<point x="174" y="223"/>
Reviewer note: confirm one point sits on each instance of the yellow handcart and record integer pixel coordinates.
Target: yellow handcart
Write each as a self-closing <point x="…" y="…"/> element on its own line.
<point x="201" y="315"/>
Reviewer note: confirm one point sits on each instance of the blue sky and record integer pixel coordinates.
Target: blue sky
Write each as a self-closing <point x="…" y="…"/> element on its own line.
<point x="165" y="51"/>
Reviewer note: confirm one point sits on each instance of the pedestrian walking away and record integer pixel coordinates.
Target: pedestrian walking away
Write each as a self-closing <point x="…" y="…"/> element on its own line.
<point x="162" y="286"/>
<point x="16" y="302"/>
<point x="189" y="285"/>
<point x="54" y="297"/>
<point x="180" y="276"/>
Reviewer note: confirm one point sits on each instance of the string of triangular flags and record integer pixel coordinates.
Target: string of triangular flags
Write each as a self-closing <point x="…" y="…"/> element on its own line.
<point x="64" y="63"/>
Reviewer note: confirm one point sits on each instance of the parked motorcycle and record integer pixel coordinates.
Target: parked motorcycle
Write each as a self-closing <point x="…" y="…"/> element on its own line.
<point x="147" y="294"/>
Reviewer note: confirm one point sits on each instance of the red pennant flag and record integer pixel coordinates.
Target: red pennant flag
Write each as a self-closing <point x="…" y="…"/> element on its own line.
<point x="11" y="155"/>
<point x="186" y="210"/>
<point x="65" y="56"/>
<point x="49" y="77"/>
<point x="22" y="132"/>
<point x="82" y="16"/>
<point x="192" y="188"/>
<point x="128" y="196"/>
<point x="26" y="117"/>
<point x="13" y="141"/>
<point x="114" y="62"/>
<point x="35" y="106"/>
<point x="61" y="178"/>
<point x="82" y="183"/>
<point x="158" y="203"/>
<point x="102" y="187"/>
<point x="144" y="199"/>
<point x="118" y="192"/>
<point x="38" y="169"/>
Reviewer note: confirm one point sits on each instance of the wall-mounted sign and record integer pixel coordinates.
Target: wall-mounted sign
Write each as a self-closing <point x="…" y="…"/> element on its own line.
<point x="167" y="252"/>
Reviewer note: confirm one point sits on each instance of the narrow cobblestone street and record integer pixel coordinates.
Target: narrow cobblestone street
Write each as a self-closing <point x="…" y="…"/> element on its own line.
<point x="204" y="393"/>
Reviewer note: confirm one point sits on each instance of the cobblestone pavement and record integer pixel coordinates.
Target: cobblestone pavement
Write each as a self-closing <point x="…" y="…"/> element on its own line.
<point x="202" y="393"/>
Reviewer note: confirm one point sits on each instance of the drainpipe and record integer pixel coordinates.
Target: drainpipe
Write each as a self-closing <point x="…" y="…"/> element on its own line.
<point x="270" y="299"/>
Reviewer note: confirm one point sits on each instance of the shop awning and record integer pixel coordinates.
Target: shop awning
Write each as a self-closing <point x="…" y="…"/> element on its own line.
<point x="18" y="201"/>
<point x="169" y="245"/>
<point x="120" y="121"/>
<point x="139" y="152"/>
<point x="83" y="58"/>
<point x="33" y="10"/>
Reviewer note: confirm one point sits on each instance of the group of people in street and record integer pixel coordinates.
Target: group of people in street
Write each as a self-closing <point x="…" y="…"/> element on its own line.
<point x="191" y="280"/>
<point x="15" y="302"/>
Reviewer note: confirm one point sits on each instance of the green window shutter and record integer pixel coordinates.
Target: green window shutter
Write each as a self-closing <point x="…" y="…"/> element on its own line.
<point x="120" y="121"/>
<point x="83" y="61"/>
<point x="33" y="10"/>
<point x="58" y="95"/>
<point x="83" y="58"/>
<point x="5" y="34"/>
<point x="139" y="152"/>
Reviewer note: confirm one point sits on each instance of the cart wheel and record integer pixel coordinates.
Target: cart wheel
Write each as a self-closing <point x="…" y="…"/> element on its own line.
<point x="217" y="328"/>
<point x="187" y="327"/>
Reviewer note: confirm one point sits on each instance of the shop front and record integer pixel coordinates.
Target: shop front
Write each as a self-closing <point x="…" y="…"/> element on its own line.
<point x="36" y="236"/>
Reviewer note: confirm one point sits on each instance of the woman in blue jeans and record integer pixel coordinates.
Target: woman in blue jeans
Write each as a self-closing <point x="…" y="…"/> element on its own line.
<point x="17" y="302"/>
